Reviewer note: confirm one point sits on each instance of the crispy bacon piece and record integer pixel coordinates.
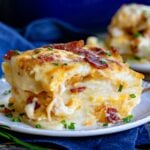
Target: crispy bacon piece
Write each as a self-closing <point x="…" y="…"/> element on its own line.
<point x="30" y="99"/>
<point x="78" y="89"/>
<point x="68" y="46"/>
<point x="6" y="110"/>
<point x="97" y="50"/>
<point x="37" y="105"/>
<point x="45" y="58"/>
<point x="10" y="54"/>
<point x="112" y="115"/>
<point x="95" y="61"/>
<point x="93" y="57"/>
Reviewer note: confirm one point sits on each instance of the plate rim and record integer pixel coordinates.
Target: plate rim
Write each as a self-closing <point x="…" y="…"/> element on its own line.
<point x="72" y="133"/>
<point x="77" y="133"/>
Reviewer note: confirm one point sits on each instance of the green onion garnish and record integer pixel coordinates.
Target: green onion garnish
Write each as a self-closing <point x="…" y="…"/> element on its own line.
<point x="2" y="105"/>
<point x="132" y="95"/>
<point x="120" y="88"/>
<point x="10" y="104"/>
<point x="37" y="51"/>
<point x="38" y="126"/>
<point x="6" y="92"/>
<point x="64" y="123"/>
<point x="16" y="119"/>
<point x="32" y="56"/>
<point x="108" y="53"/>
<point x="56" y="64"/>
<point x="8" y="136"/>
<point x="103" y="61"/>
<point x="137" y="58"/>
<point x="17" y="52"/>
<point x="127" y="119"/>
<point x="22" y="114"/>
<point x="137" y="34"/>
<point x="105" y="124"/>
<point x="4" y="126"/>
<point x="71" y="126"/>
<point x="9" y="115"/>
<point x="50" y="48"/>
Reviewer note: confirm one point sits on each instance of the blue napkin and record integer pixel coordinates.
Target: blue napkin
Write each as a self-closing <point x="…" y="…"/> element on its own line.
<point x="46" y="31"/>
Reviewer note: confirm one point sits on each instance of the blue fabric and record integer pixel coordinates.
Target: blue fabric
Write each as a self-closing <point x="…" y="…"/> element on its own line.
<point x="47" y="31"/>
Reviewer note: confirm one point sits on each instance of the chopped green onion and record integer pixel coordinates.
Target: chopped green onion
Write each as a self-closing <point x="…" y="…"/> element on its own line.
<point x="17" y="52"/>
<point x="120" y="88"/>
<point x="10" y="104"/>
<point x="9" y="115"/>
<point x="127" y="119"/>
<point x="64" y="123"/>
<point x="12" y="138"/>
<point x="4" y="126"/>
<point x="2" y="105"/>
<point x="16" y="119"/>
<point x="32" y="56"/>
<point x="50" y="48"/>
<point x="108" y="53"/>
<point x="105" y="124"/>
<point x="137" y="34"/>
<point x="71" y="126"/>
<point x="65" y="64"/>
<point x="6" y="92"/>
<point x="56" y="64"/>
<point x="103" y="61"/>
<point x="137" y="58"/>
<point x="22" y="114"/>
<point x="38" y="126"/>
<point x="132" y="95"/>
<point x="36" y="51"/>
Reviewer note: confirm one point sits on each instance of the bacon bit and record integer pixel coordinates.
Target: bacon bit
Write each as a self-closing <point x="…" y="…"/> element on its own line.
<point x="68" y="46"/>
<point x="112" y="116"/>
<point x="10" y="54"/>
<point x="77" y="90"/>
<point x="134" y="45"/>
<point x="114" y="51"/>
<point x="30" y="99"/>
<point x="45" y="58"/>
<point x="37" y="105"/>
<point x="6" y="111"/>
<point x="95" y="61"/>
<point x="97" y="50"/>
<point x="92" y="57"/>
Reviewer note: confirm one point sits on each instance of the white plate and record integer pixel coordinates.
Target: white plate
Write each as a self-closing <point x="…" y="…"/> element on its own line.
<point x="141" y="116"/>
<point x="141" y="67"/>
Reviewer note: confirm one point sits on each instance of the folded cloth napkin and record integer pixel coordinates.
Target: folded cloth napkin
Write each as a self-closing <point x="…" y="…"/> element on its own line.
<point x="46" y="31"/>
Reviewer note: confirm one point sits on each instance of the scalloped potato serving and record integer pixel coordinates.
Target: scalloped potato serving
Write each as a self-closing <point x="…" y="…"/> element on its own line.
<point x="71" y="86"/>
<point x="129" y="32"/>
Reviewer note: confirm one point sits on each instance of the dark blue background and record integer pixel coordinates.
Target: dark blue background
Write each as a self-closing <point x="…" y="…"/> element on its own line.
<point x="93" y="15"/>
